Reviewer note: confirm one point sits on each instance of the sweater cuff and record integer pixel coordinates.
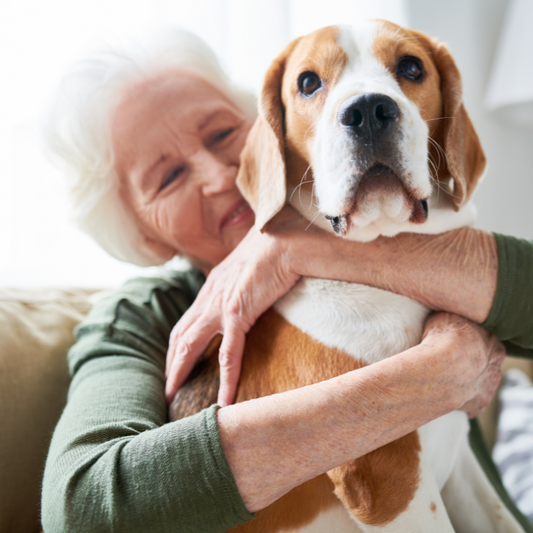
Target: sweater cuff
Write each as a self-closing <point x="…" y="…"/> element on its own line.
<point x="511" y="315"/>
<point x="228" y="497"/>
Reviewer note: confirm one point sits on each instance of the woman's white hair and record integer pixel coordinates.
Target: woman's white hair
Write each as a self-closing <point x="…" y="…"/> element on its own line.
<point x="78" y="130"/>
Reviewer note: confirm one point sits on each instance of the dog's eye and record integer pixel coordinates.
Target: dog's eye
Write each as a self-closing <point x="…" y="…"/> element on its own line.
<point x="308" y="83"/>
<point x="411" y="68"/>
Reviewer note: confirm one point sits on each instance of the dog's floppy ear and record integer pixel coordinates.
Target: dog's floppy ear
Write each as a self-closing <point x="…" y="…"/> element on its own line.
<point x="262" y="177"/>
<point x="464" y="156"/>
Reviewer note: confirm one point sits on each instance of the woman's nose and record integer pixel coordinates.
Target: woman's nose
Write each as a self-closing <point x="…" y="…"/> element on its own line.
<point x="217" y="176"/>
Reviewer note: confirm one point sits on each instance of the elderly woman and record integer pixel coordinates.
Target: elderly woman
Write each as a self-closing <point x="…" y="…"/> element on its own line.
<point x="152" y="140"/>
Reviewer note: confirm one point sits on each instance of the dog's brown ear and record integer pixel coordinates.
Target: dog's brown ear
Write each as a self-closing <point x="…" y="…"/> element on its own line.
<point x="465" y="158"/>
<point x="262" y="177"/>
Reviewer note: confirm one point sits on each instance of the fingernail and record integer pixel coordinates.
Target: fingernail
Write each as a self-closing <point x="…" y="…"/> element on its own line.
<point x="168" y="396"/>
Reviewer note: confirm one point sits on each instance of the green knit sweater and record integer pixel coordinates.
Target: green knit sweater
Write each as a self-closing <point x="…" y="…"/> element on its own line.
<point x="115" y="465"/>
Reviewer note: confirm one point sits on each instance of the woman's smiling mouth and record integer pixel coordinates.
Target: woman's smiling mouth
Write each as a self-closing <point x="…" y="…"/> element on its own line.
<point x="238" y="213"/>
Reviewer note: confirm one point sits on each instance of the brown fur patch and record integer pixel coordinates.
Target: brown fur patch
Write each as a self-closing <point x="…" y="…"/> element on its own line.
<point x="380" y="485"/>
<point x="295" y="510"/>
<point x="318" y="52"/>
<point x="278" y="148"/>
<point x="262" y="174"/>
<point x="279" y="357"/>
<point x="391" y="44"/>
<point x="439" y="101"/>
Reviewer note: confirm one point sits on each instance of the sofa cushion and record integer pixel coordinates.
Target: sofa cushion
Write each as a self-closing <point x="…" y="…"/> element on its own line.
<point x="36" y="332"/>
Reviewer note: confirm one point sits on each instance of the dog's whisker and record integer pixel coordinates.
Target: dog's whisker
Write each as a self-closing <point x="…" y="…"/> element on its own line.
<point x="302" y="182"/>
<point x="312" y="196"/>
<point x="437" y="148"/>
<point x="440" y="150"/>
<point x="438" y="118"/>
<point x="311" y="126"/>
<point x="312" y="221"/>
<point x="434" y="178"/>
<point x="300" y="185"/>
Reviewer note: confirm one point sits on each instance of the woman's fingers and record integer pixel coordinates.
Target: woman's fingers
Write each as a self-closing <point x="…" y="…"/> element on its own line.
<point x="489" y="381"/>
<point x="186" y="351"/>
<point x="230" y="359"/>
<point x="177" y="334"/>
<point x="474" y="358"/>
<point x="195" y="322"/>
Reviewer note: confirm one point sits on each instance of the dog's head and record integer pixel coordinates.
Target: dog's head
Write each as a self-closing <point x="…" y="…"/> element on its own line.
<point x="369" y="124"/>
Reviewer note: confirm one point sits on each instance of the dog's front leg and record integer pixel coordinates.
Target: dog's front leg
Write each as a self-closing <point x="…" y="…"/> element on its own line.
<point x="392" y="489"/>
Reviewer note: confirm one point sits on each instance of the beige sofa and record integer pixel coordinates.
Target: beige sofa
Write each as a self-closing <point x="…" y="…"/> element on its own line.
<point x="35" y="334"/>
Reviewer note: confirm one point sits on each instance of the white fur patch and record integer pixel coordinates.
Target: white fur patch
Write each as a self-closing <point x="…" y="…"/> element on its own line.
<point x="367" y="323"/>
<point x="333" y="156"/>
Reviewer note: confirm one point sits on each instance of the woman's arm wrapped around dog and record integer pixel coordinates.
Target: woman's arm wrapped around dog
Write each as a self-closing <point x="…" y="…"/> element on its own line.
<point x="458" y="272"/>
<point x="113" y="447"/>
<point x="286" y="439"/>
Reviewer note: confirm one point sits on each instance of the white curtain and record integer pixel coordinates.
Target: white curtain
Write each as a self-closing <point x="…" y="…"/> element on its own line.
<point x="40" y="38"/>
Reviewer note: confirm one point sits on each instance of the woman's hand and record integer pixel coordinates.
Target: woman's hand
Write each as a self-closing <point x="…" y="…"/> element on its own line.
<point x="235" y="294"/>
<point x="474" y="358"/>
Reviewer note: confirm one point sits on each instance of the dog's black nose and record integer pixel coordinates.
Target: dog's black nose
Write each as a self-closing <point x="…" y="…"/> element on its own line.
<point x="369" y="116"/>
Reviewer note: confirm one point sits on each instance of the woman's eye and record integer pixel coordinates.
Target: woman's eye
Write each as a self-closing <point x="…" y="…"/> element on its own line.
<point x="410" y="68"/>
<point x="172" y="176"/>
<point x="223" y="134"/>
<point x="309" y="83"/>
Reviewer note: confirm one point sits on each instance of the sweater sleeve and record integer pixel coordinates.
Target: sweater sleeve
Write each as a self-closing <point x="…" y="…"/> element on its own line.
<point x="511" y="316"/>
<point x="115" y="464"/>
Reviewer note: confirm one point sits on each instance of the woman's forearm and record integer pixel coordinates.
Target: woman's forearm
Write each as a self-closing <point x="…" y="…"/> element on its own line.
<point x="455" y="271"/>
<point x="276" y="443"/>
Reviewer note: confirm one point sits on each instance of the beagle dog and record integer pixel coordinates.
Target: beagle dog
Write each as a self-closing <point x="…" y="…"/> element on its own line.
<point x="363" y="131"/>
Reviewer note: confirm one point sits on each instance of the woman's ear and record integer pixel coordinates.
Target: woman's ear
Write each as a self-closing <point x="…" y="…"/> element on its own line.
<point x="262" y="177"/>
<point x="465" y="158"/>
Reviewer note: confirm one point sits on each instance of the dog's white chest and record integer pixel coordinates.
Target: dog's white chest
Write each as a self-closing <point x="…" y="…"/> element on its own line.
<point x="369" y="324"/>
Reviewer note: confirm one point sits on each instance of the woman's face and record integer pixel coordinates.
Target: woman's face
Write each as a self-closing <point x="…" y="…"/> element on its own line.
<point x="177" y="141"/>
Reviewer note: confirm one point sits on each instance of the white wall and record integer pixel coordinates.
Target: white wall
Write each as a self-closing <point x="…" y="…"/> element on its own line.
<point x="471" y="29"/>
